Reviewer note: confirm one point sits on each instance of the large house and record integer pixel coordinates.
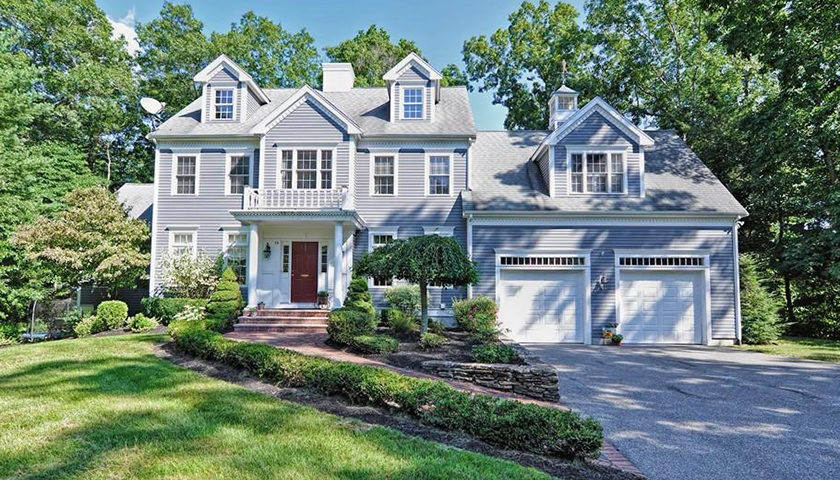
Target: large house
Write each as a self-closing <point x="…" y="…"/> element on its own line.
<point x="590" y="222"/>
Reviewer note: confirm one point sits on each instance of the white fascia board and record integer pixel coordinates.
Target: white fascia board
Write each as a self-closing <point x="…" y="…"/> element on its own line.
<point x="223" y="60"/>
<point x="263" y="127"/>
<point x="397" y="70"/>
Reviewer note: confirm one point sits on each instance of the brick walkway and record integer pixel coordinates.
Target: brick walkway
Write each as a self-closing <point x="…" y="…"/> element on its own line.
<point x="314" y="344"/>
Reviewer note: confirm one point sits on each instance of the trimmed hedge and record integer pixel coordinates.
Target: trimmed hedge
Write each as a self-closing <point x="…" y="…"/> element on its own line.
<point x="505" y="423"/>
<point x="225" y="304"/>
<point x="494" y="353"/>
<point x="113" y="313"/>
<point x="346" y="324"/>
<point x="477" y="316"/>
<point x="375" y="344"/>
<point x="165" y="309"/>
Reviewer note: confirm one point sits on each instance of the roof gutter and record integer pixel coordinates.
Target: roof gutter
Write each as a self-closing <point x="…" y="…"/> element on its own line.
<point x="613" y="214"/>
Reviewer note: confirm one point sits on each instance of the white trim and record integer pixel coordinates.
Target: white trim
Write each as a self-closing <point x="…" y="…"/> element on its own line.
<point x="392" y="231"/>
<point x="261" y="183"/>
<point x="234" y="89"/>
<point x="609" y="152"/>
<point x="442" y="230"/>
<point x="558" y="220"/>
<point x="585" y="269"/>
<point x="552" y="180"/>
<point x="706" y="334"/>
<point x="469" y="160"/>
<point x="226" y="244"/>
<point x="205" y="114"/>
<point x="736" y="267"/>
<point x="181" y="227"/>
<point x="412" y="86"/>
<point x="383" y="153"/>
<point x="184" y="231"/>
<point x="470" y="250"/>
<point x="220" y="62"/>
<point x="397" y="70"/>
<point x="351" y="174"/>
<point x="296" y="99"/>
<point x="427" y="163"/>
<point x="641" y="171"/>
<point x="331" y="146"/>
<point x="174" y="185"/>
<point x="244" y="153"/>
<point x="155" y="203"/>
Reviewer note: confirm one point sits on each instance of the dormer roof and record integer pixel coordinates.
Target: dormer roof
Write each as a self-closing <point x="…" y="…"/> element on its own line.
<point x="302" y="94"/>
<point x="223" y="61"/>
<point x="398" y="69"/>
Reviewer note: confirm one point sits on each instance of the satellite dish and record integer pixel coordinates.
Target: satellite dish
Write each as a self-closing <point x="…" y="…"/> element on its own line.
<point x="151" y="105"/>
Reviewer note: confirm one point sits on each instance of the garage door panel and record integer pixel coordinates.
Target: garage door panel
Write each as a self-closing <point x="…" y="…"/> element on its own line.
<point x="542" y="305"/>
<point x="661" y="307"/>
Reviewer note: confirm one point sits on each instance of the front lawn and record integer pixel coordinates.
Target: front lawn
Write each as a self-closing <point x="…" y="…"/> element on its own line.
<point x="810" y="348"/>
<point x="106" y="407"/>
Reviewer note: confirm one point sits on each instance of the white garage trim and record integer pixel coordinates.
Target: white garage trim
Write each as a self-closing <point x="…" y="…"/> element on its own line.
<point x="582" y="264"/>
<point x="680" y="266"/>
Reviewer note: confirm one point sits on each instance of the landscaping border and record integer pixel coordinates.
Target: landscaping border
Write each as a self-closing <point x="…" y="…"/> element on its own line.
<point x="535" y="381"/>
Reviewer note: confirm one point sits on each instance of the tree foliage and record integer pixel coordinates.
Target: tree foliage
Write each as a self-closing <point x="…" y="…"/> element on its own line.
<point x="759" y="308"/>
<point x="423" y="260"/>
<point x="372" y="54"/>
<point x="92" y="240"/>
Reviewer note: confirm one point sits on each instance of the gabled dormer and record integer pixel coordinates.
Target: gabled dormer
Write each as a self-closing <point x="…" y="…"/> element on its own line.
<point x="229" y="94"/>
<point x="414" y="89"/>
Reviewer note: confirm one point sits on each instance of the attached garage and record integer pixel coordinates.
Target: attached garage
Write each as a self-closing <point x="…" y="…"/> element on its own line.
<point x="543" y="298"/>
<point x="662" y="299"/>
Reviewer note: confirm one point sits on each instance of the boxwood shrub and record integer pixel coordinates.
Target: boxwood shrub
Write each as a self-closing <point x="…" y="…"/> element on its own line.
<point x="501" y="422"/>
<point x="165" y="309"/>
<point x="113" y="313"/>
<point x="375" y="344"/>
<point x="347" y="323"/>
<point x="494" y="353"/>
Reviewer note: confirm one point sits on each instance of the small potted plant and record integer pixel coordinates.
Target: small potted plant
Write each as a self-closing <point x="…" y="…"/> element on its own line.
<point x="616" y="339"/>
<point x="261" y="306"/>
<point x="323" y="299"/>
<point x="251" y="312"/>
<point x="608" y="331"/>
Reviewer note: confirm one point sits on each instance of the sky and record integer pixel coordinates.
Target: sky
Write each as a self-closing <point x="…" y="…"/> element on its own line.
<point x="438" y="27"/>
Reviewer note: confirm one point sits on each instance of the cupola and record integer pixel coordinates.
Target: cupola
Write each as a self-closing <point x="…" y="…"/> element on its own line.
<point x="562" y="104"/>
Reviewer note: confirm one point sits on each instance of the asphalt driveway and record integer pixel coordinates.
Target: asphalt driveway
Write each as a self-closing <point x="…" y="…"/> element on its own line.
<point x="707" y="413"/>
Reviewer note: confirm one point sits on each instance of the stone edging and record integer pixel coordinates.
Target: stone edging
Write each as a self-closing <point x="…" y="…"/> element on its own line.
<point x="535" y="381"/>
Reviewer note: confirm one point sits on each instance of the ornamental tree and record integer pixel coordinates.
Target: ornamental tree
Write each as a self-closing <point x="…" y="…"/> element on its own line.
<point x="423" y="260"/>
<point x="91" y="240"/>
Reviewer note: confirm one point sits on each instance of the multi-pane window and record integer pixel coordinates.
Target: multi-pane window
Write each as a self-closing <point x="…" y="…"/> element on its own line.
<point x="326" y="169"/>
<point x="565" y="102"/>
<point x="324" y="259"/>
<point x="616" y="173"/>
<point x="185" y="175"/>
<point x="286" y="257"/>
<point x="239" y="173"/>
<point x="183" y="243"/>
<point x="596" y="172"/>
<point x="236" y="254"/>
<point x="286" y="159"/>
<point x="413" y="102"/>
<point x="380" y="240"/>
<point x="224" y="104"/>
<point x="307" y="169"/>
<point x="384" y="181"/>
<point x="577" y="172"/>
<point x="439" y="169"/>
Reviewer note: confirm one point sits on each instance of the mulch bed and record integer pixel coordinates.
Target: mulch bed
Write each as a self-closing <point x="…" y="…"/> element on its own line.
<point x="571" y="470"/>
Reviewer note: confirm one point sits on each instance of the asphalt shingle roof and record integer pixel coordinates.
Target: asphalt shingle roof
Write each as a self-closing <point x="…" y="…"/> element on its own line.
<point x="368" y="107"/>
<point x="675" y="180"/>
<point x="138" y="199"/>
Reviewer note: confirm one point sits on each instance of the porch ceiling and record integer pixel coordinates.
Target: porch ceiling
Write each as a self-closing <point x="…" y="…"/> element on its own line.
<point x="256" y="216"/>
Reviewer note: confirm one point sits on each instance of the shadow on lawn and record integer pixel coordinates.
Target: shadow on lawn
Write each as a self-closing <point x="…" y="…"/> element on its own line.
<point x="160" y="421"/>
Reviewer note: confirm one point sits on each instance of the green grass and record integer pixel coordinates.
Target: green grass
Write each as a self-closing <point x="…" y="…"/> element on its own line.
<point x="810" y="348"/>
<point x="107" y="408"/>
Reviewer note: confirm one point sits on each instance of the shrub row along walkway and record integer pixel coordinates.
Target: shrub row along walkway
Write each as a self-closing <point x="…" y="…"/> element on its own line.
<point x="314" y="344"/>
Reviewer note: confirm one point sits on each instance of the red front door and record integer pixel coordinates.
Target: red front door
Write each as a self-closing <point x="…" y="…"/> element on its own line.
<point x="304" y="272"/>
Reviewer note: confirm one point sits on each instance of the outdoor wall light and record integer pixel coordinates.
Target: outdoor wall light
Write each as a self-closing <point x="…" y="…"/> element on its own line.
<point x="267" y="250"/>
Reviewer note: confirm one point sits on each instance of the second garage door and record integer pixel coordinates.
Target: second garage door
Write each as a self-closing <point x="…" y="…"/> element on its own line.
<point x="542" y="305"/>
<point x="661" y="307"/>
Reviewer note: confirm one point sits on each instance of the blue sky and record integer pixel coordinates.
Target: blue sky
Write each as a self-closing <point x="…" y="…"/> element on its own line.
<point x="439" y="27"/>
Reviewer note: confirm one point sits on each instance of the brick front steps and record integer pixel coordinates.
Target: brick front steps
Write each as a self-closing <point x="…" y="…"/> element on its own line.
<point x="284" y="321"/>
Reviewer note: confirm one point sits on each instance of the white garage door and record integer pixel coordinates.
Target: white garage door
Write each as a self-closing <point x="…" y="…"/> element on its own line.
<point x="542" y="305"/>
<point x="661" y="307"/>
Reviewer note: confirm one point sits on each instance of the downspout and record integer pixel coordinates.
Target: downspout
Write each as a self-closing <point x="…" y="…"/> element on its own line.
<point x="470" y="249"/>
<point x="736" y="263"/>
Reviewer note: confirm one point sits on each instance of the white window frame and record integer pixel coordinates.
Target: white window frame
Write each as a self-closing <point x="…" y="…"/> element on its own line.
<point x="422" y="103"/>
<point x="228" y="162"/>
<point x="393" y="232"/>
<point x="174" y="186"/>
<point x="603" y="151"/>
<point x="214" y="104"/>
<point x="318" y="157"/>
<point x="372" y="164"/>
<point x="183" y="231"/>
<point x="226" y="244"/>
<point x="426" y="185"/>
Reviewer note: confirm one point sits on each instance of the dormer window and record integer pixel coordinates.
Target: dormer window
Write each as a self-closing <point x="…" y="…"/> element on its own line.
<point x="597" y="172"/>
<point x="413" y="102"/>
<point x="223" y="104"/>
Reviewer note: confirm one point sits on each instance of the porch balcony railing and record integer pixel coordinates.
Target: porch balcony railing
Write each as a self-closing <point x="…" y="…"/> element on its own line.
<point x="303" y="199"/>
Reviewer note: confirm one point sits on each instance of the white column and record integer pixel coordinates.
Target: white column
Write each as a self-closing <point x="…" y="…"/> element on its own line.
<point x="253" y="259"/>
<point x="338" y="264"/>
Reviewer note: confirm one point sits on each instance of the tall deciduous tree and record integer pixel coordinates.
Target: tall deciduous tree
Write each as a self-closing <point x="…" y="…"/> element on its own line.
<point x="422" y="260"/>
<point x="523" y="63"/>
<point x="372" y="54"/>
<point x="91" y="240"/>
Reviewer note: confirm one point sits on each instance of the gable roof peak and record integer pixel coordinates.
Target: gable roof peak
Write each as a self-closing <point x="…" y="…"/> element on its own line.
<point x="397" y="70"/>
<point x="223" y="61"/>
<point x="351" y="126"/>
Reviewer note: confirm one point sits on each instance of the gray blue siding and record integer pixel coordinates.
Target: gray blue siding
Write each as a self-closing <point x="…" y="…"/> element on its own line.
<point x="602" y="242"/>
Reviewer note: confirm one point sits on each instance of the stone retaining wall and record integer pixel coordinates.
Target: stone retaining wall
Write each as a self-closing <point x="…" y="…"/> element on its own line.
<point x="535" y="381"/>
